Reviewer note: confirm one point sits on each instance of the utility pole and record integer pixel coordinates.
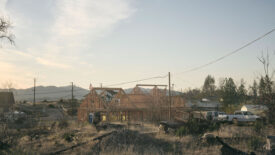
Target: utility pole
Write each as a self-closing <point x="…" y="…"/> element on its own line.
<point x="72" y="100"/>
<point x="34" y="83"/>
<point x="169" y="82"/>
<point x="72" y="91"/>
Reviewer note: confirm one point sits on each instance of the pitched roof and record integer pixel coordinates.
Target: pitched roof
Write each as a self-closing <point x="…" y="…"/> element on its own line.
<point x="134" y="101"/>
<point x="252" y="106"/>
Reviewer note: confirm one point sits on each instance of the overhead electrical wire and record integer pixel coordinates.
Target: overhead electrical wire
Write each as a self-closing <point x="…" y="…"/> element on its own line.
<point x="150" y="78"/>
<point x="201" y="66"/>
<point x="195" y="68"/>
<point x="228" y="54"/>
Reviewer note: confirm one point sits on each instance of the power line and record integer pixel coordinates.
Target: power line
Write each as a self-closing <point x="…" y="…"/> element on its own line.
<point x="201" y="66"/>
<point x="228" y="54"/>
<point x="150" y="78"/>
<point x="52" y="92"/>
<point x="190" y="70"/>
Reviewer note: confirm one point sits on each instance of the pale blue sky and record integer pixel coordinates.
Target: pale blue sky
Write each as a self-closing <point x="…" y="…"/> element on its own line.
<point x="112" y="41"/>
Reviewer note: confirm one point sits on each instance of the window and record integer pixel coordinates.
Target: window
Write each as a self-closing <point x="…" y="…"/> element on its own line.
<point x="238" y="113"/>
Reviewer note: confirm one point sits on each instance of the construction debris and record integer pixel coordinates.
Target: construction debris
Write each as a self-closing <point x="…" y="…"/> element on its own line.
<point x="128" y="141"/>
<point x="66" y="149"/>
<point x="105" y="126"/>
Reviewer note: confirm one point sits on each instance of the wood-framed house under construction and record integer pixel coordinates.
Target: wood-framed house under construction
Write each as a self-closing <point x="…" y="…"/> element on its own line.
<point x="115" y="105"/>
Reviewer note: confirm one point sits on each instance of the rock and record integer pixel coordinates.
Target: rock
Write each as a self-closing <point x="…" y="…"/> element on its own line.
<point x="26" y="138"/>
<point x="208" y="135"/>
<point x="208" y="138"/>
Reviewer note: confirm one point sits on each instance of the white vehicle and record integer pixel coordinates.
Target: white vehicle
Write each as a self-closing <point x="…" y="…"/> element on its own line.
<point x="216" y="116"/>
<point x="222" y="116"/>
<point x="243" y="116"/>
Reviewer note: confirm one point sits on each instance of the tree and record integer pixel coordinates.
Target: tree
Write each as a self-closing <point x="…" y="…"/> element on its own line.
<point x="241" y="92"/>
<point x="262" y="88"/>
<point x="268" y="85"/>
<point x="265" y="84"/>
<point x="209" y="86"/>
<point x="193" y="94"/>
<point x="8" y="85"/>
<point x="5" y="33"/>
<point x="254" y="90"/>
<point x="229" y="93"/>
<point x="265" y="88"/>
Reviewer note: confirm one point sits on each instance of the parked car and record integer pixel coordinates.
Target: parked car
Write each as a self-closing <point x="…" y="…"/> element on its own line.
<point x="222" y="116"/>
<point x="216" y="116"/>
<point x="243" y="116"/>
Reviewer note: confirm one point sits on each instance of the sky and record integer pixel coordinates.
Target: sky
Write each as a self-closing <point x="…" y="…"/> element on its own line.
<point x="113" y="41"/>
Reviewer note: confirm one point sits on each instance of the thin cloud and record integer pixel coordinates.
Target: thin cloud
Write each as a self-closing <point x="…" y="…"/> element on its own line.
<point x="14" y="54"/>
<point x="62" y="44"/>
<point x="51" y="63"/>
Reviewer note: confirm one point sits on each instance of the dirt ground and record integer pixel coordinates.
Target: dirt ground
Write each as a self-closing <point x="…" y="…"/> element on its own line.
<point x="59" y="134"/>
<point x="79" y="138"/>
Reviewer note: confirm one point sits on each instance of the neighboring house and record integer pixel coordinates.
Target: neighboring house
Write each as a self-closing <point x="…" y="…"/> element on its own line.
<point x="256" y="109"/>
<point x="6" y="101"/>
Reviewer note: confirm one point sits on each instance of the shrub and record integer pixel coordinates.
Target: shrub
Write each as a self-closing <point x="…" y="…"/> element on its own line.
<point x="68" y="136"/>
<point x="255" y="143"/>
<point x="195" y="127"/>
<point x="182" y="131"/>
<point x="63" y="124"/>
<point x="258" y="126"/>
<point x="51" y="106"/>
<point x="61" y="101"/>
<point x="72" y="111"/>
<point x="20" y="120"/>
<point x="230" y="108"/>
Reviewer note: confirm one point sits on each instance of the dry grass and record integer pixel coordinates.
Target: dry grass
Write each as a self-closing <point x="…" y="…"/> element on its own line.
<point x="46" y="137"/>
<point x="52" y="140"/>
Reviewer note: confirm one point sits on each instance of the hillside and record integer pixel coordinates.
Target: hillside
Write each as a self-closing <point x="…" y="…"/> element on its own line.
<point x="53" y="93"/>
<point x="50" y="93"/>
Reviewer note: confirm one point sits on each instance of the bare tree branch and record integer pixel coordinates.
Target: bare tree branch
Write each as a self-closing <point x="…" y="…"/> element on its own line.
<point x="265" y="61"/>
<point x="8" y="85"/>
<point x="5" y="26"/>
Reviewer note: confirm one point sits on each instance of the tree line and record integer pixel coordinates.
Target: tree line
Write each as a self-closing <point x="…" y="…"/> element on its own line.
<point x="227" y="92"/>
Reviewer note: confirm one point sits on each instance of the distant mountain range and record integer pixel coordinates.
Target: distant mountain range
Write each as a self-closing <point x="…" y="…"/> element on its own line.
<point x="49" y="93"/>
<point x="53" y="93"/>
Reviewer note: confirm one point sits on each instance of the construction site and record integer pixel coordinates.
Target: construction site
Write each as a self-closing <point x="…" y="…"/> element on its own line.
<point x="114" y="104"/>
<point x="147" y="119"/>
<point x="107" y="77"/>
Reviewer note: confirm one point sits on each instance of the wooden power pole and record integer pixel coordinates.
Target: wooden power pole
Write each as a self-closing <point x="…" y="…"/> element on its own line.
<point x="169" y="82"/>
<point x="72" y="100"/>
<point x="72" y="91"/>
<point x="34" y="85"/>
